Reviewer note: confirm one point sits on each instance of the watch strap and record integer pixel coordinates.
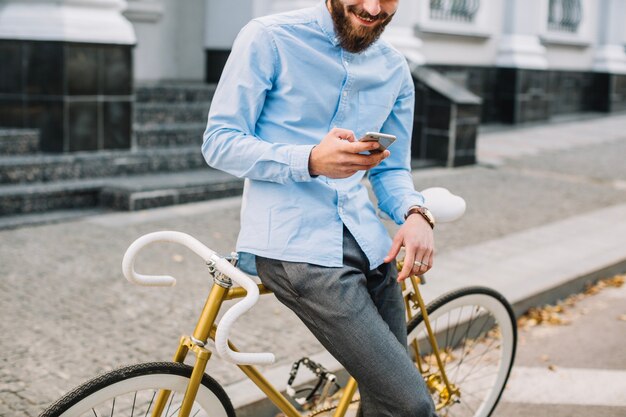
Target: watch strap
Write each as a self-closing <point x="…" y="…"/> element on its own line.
<point x="422" y="212"/>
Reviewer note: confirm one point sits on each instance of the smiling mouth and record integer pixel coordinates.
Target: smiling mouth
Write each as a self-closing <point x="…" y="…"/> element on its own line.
<point x="368" y="21"/>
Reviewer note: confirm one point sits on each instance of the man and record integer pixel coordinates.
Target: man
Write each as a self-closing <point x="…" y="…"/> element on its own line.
<point x="297" y="92"/>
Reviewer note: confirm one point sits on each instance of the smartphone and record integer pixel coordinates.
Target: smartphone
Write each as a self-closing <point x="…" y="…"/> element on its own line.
<point x="383" y="139"/>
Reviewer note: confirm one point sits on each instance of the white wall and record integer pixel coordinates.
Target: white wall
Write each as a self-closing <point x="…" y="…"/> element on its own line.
<point x="224" y="19"/>
<point x="473" y="44"/>
<point x="170" y="40"/>
<point x="574" y="51"/>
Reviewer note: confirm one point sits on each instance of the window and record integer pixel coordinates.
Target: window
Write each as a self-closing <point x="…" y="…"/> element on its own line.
<point x="454" y="10"/>
<point x="564" y="15"/>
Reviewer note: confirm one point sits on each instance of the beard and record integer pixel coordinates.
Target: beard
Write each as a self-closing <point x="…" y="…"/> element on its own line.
<point x="354" y="38"/>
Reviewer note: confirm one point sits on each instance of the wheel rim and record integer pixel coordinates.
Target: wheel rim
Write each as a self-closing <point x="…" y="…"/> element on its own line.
<point x="476" y="340"/>
<point x="134" y="397"/>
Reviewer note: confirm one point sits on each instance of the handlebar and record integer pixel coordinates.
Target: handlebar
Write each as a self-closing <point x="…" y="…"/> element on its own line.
<point x="222" y="265"/>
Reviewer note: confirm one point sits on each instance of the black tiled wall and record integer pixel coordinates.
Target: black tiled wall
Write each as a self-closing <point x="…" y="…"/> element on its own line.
<point x="78" y="95"/>
<point x="512" y="95"/>
<point x="215" y="62"/>
<point x="437" y="122"/>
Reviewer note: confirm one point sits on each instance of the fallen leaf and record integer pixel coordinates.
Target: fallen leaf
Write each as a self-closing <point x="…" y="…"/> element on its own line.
<point x="552" y="368"/>
<point x="622" y="317"/>
<point x="544" y="358"/>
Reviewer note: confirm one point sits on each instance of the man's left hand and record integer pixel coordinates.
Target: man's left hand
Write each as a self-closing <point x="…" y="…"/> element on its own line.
<point x="416" y="236"/>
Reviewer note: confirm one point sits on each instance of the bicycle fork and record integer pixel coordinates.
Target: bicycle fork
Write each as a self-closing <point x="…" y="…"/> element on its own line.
<point x="440" y="383"/>
<point x="219" y="292"/>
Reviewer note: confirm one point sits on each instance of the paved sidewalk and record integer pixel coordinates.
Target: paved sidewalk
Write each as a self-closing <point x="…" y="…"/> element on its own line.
<point x="546" y="208"/>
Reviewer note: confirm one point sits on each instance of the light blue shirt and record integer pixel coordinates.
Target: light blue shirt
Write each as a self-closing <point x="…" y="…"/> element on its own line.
<point x="286" y="84"/>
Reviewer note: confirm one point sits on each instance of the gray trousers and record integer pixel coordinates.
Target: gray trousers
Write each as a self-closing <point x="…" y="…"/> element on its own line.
<point x="358" y="315"/>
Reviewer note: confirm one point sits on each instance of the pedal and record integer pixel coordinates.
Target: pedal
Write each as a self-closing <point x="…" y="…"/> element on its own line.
<point x="308" y="397"/>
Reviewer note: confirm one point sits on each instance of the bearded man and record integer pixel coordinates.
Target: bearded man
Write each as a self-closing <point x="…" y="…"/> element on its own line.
<point x="297" y="92"/>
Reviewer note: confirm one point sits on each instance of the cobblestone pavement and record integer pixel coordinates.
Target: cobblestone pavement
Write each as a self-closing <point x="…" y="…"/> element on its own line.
<point x="68" y="314"/>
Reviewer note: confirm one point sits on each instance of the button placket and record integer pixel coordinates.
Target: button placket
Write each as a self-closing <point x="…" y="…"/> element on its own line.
<point x="345" y="91"/>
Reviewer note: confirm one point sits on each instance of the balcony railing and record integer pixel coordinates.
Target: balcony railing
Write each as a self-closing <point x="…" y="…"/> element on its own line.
<point x="565" y="15"/>
<point x="454" y="10"/>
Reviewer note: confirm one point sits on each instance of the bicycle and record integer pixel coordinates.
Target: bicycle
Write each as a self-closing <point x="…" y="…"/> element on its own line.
<point x="463" y="343"/>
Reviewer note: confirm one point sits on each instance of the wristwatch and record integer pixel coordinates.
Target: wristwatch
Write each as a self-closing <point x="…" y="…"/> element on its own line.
<point x="422" y="211"/>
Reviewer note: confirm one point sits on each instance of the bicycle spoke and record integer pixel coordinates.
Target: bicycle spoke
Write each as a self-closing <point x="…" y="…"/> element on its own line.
<point x="132" y="411"/>
<point x="174" y="412"/>
<point x="113" y="407"/>
<point x="448" y="330"/>
<point x="170" y="404"/>
<point x="150" y="405"/>
<point x="94" y="412"/>
<point x="473" y="367"/>
<point x="471" y="346"/>
<point x="472" y="411"/>
<point x="469" y="326"/>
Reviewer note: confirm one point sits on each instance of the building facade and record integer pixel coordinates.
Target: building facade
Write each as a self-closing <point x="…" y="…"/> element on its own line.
<point x="66" y="61"/>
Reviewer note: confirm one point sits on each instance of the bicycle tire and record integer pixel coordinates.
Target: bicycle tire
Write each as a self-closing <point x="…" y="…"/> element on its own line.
<point x="115" y="390"/>
<point x="465" y="309"/>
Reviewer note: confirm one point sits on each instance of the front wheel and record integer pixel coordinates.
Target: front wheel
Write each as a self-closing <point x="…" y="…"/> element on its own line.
<point x="131" y="391"/>
<point x="476" y="332"/>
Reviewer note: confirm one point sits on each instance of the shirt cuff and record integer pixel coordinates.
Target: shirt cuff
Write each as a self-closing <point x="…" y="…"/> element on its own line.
<point x="416" y="199"/>
<point x="299" y="163"/>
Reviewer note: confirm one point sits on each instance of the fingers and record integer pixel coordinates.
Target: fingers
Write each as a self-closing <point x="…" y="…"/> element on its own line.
<point x="417" y="261"/>
<point x="396" y="245"/>
<point x="423" y="262"/>
<point x="344" y="134"/>
<point x="407" y="268"/>
<point x="368" y="161"/>
<point x="358" y="147"/>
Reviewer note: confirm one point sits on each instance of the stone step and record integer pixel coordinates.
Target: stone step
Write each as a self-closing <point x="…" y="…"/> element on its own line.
<point x="60" y="167"/>
<point x="19" y="141"/>
<point x="144" y="192"/>
<point x="174" y="92"/>
<point x="46" y="197"/>
<point x="169" y="135"/>
<point x="161" y="113"/>
<point x="128" y="193"/>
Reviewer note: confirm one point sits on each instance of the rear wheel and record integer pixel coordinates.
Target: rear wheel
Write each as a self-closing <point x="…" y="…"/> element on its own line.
<point x="131" y="391"/>
<point x="476" y="333"/>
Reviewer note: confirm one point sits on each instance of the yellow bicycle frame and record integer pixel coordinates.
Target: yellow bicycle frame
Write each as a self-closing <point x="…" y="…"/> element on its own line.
<point x="206" y="327"/>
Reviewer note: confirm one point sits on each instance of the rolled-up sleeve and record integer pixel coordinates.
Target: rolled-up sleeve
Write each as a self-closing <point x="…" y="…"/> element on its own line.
<point x="229" y="141"/>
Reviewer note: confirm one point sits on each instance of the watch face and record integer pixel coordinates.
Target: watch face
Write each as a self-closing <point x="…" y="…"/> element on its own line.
<point x="429" y="216"/>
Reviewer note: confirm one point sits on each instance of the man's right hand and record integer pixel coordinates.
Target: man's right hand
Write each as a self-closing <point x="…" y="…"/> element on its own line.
<point x="339" y="155"/>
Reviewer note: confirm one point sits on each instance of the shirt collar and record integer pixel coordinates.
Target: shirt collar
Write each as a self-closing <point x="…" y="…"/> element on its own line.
<point x="325" y="20"/>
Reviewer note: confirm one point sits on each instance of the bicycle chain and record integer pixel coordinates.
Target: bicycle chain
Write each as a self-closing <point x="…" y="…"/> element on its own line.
<point x="330" y="408"/>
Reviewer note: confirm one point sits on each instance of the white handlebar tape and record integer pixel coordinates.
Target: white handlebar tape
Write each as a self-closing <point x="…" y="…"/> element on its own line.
<point x="128" y="263"/>
<point x="223" y="330"/>
<point x="222" y="265"/>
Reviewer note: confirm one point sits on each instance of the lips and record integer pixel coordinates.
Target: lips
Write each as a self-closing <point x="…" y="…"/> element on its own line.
<point x="366" y="21"/>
